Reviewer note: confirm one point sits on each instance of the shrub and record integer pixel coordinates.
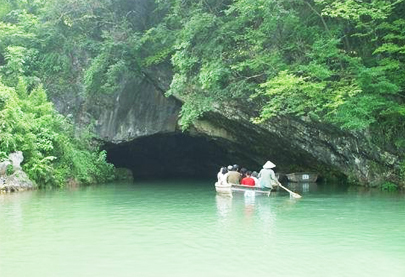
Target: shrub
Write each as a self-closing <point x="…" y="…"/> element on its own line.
<point x="51" y="153"/>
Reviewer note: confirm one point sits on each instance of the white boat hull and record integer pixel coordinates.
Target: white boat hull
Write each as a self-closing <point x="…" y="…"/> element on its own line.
<point x="223" y="188"/>
<point x="229" y="188"/>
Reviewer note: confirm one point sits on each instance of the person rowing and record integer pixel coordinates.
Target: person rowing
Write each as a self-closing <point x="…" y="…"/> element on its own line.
<point x="267" y="178"/>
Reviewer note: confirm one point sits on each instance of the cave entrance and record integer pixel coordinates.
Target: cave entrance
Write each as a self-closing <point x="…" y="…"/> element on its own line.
<point x="175" y="156"/>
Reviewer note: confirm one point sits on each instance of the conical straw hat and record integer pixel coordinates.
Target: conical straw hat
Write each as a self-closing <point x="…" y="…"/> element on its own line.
<point x="269" y="164"/>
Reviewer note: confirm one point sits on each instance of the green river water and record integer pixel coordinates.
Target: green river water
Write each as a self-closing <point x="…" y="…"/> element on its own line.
<point x="183" y="228"/>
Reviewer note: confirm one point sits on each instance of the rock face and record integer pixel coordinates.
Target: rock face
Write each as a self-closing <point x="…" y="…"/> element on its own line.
<point x="139" y="110"/>
<point x="12" y="177"/>
<point x="139" y="127"/>
<point x="348" y="152"/>
<point x="302" y="143"/>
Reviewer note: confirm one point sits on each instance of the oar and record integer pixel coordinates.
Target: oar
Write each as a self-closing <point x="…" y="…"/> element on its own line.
<point x="293" y="194"/>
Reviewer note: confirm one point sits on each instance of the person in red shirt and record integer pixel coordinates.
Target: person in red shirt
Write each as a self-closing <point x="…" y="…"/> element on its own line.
<point x="248" y="180"/>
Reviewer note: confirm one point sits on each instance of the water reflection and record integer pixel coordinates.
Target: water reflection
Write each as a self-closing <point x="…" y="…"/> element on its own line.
<point x="224" y="204"/>
<point x="249" y="197"/>
<point x="256" y="208"/>
<point x="13" y="209"/>
<point x="303" y="187"/>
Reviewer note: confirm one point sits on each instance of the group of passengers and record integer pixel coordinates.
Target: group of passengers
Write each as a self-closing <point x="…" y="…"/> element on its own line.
<point x="241" y="176"/>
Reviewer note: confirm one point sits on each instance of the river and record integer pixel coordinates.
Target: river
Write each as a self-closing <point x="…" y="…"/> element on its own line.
<point x="182" y="228"/>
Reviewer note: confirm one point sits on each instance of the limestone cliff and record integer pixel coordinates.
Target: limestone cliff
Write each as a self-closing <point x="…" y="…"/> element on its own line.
<point x="139" y="125"/>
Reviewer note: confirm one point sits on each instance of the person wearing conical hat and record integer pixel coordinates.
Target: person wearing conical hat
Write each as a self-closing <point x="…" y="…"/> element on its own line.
<point x="267" y="178"/>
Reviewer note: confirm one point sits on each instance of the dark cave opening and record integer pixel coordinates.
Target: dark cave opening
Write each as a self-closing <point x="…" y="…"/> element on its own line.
<point x="181" y="155"/>
<point x="176" y="155"/>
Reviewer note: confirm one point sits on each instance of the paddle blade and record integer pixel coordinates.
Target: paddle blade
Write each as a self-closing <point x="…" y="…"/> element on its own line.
<point x="295" y="195"/>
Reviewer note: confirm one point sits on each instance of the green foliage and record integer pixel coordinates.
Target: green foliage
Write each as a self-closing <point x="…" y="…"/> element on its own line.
<point x="5" y="8"/>
<point x="337" y="61"/>
<point x="159" y="45"/>
<point x="116" y="61"/>
<point x="359" y="112"/>
<point x="9" y="169"/>
<point x="90" y="167"/>
<point x="51" y="154"/>
<point x="388" y="186"/>
<point x="356" y="10"/>
<point x="288" y="94"/>
<point x="192" y="110"/>
<point x="402" y="172"/>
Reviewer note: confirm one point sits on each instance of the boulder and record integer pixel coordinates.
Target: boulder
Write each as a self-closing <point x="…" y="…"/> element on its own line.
<point x="18" y="180"/>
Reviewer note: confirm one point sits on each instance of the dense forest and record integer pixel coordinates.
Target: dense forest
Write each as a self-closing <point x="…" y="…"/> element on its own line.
<point x="340" y="62"/>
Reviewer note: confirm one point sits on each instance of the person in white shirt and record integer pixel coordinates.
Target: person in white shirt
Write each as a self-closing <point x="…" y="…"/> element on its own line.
<point x="221" y="176"/>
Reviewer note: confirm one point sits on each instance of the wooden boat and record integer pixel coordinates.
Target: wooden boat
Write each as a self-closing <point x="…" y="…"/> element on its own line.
<point x="302" y="177"/>
<point x="223" y="188"/>
<point x="236" y="187"/>
<point x="229" y="188"/>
